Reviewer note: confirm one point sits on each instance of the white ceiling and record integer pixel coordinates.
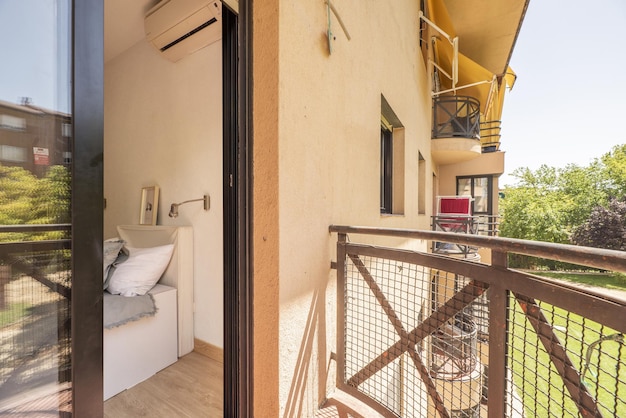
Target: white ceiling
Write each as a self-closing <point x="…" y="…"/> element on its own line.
<point x="123" y="24"/>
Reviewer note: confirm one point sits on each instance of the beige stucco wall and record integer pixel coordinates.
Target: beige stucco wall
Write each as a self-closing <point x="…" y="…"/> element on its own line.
<point x="316" y="162"/>
<point x="488" y="164"/>
<point x="265" y="240"/>
<point x="163" y="126"/>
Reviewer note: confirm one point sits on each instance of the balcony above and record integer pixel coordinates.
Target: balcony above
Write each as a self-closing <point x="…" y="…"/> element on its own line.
<point x="456" y="129"/>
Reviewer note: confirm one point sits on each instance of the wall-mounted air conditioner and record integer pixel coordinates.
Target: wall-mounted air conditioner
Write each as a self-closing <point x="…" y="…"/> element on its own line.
<point x="178" y="28"/>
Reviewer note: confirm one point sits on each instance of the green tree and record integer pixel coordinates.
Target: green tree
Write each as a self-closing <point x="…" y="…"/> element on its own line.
<point x="613" y="166"/>
<point x="605" y="228"/>
<point x="17" y="189"/>
<point x="550" y="204"/>
<point x="536" y="208"/>
<point x="26" y="199"/>
<point x="52" y="198"/>
<point x="585" y="187"/>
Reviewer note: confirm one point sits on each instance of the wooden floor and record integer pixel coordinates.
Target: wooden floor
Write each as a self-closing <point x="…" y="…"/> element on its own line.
<point x="191" y="387"/>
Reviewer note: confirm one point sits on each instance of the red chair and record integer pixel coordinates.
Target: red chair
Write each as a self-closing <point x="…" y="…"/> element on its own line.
<point x="454" y="214"/>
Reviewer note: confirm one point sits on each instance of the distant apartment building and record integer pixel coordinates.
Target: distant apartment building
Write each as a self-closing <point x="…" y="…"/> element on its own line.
<point x="32" y="137"/>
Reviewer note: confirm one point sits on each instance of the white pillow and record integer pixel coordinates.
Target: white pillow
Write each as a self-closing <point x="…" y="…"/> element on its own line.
<point x="141" y="271"/>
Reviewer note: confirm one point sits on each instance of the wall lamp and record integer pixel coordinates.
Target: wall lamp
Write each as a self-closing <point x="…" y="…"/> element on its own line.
<point x="174" y="208"/>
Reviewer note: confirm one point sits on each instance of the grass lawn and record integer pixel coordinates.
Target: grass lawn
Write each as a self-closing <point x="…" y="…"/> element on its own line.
<point x="609" y="280"/>
<point x="14" y="312"/>
<point x="536" y="379"/>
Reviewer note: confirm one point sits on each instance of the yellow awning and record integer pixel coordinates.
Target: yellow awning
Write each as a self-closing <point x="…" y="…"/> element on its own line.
<point x="510" y="77"/>
<point x="474" y="80"/>
<point x="438" y="13"/>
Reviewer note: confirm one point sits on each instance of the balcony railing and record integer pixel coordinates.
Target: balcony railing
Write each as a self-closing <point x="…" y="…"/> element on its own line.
<point x="490" y="135"/>
<point x="481" y="224"/>
<point x="35" y="293"/>
<point x="456" y="116"/>
<point x="422" y="334"/>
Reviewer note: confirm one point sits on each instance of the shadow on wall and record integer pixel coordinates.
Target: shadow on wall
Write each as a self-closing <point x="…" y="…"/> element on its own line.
<point x="300" y="391"/>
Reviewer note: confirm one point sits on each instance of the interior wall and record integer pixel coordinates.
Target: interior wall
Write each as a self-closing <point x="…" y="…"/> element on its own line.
<point x="163" y="126"/>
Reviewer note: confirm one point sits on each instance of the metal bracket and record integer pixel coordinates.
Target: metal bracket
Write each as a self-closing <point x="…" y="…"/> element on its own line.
<point x="329" y="33"/>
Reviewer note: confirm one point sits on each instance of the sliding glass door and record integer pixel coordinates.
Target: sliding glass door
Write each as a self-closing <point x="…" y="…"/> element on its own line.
<point x="50" y="175"/>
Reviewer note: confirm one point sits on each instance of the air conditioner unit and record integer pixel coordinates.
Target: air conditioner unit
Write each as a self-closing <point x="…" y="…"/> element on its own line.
<point x="178" y="28"/>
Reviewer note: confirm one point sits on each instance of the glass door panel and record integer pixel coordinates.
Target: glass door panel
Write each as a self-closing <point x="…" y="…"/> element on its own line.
<point x="35" y="203"/>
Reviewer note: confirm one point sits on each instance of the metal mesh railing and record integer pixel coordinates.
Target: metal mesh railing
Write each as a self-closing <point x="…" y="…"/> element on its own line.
<point x="372" y="286"/>
<point x="35" y="337"/>
<point x="35" y="340"/>
<point x="563" y="364"/>
<point x="385" y="302"/>
<point x="425" y="334"/>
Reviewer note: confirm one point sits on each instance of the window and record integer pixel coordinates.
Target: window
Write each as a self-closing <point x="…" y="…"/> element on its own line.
<point x="391" y="161"/>
<point x="386" y="170"/>
<point x="12" y="123"/>
<point x="66" y="130"/>
<point x="481" y="189"/>
<point x="421" y="184"/>
<point x="12" y="154"/>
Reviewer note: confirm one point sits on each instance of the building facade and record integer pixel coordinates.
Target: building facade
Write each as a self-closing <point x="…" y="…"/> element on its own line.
<point x="356" y="113"/>
<point x="338" y="93"/>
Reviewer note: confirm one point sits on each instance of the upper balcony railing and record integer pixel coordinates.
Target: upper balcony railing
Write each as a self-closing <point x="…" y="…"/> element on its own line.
<point x="490" y="135"/>
<point x="456" y="116"/>
<point x="422" y="334"/>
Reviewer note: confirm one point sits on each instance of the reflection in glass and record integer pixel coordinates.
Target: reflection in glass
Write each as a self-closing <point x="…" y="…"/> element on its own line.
<point x="481" y="195"/>
<point x="35" y="174"/>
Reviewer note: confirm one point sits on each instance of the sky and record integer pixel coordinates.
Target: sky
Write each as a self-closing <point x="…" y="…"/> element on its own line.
<point x="568" y="104"/>
<point x="35" y="35"/>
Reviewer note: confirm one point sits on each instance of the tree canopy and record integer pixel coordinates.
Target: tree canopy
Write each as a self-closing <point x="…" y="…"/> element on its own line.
<point x="605" y="228"/>
<point x="27" y="199"/>
<point x="574" y="204"/>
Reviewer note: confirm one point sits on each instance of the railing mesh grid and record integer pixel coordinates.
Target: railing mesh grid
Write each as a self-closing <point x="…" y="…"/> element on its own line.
<point x="35" y="332"/>
<point x="550" y="338"/>
<point x="558" y="363"/>
<point x="385" y="299"/>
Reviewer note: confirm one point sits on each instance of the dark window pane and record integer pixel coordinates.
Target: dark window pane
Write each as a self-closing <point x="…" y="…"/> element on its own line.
<point x="386" y="170"/>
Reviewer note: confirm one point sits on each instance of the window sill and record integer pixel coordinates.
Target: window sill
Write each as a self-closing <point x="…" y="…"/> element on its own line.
<point x="392" y="215"/>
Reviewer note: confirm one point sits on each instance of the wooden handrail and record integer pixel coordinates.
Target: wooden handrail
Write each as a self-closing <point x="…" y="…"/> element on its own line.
<point x="35" y="228"/>
<point x="586" y="256"/>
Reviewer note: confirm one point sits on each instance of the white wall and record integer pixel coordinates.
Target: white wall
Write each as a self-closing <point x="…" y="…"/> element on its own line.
<point x="163" y="126"/>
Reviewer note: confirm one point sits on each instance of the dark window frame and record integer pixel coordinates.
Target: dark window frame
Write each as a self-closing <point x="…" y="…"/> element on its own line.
<point x="87" y="206"/>
<point x="386" y="170"/>
<point x="489" y="191"/>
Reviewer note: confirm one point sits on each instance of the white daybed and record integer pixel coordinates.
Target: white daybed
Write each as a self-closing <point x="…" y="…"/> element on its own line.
<point x="137" y="350"/>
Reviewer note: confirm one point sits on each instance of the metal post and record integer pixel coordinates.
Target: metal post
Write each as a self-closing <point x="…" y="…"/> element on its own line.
<point x="341" y="286"/>
<point x="498" y="307"/>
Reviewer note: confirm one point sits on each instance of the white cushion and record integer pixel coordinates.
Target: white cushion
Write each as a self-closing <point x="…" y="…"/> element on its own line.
<point x="141" y="271"/>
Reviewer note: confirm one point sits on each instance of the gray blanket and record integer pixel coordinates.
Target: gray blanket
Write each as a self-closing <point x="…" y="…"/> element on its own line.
<point x="120" y="310"/>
